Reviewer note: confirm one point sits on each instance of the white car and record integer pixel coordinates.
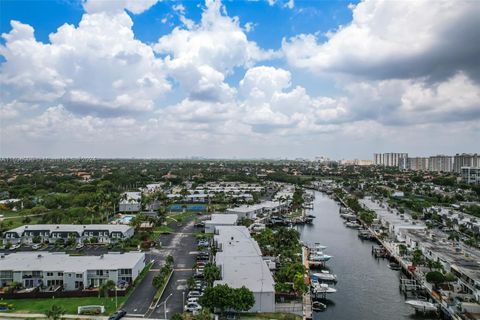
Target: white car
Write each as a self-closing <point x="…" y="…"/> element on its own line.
<point x="15" y="246"/>
<point x="194" y="294"/>
<point x="36" y="246"/>
<point x="192" y="300"/>
<point x="80" y="246"/>
<point x="192" y="307"/>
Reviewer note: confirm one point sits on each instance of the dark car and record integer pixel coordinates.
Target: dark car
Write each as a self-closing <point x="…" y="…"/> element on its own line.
<point x="118" y="315"/>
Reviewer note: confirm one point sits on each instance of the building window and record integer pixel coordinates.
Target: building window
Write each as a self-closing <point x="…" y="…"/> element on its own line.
<point x="49" y="274"/>
<point x="79" y="275"/>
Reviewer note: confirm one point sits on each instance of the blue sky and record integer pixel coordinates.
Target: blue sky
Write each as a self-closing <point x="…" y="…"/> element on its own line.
<point x="272" y="78"/>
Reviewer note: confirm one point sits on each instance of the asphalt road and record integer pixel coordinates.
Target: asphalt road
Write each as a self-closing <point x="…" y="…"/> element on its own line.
<point x="181" y="244"/>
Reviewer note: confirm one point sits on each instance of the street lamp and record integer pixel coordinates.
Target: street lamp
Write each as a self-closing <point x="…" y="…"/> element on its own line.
<point x="165" y="306"/>
<point x="183" y="299"/>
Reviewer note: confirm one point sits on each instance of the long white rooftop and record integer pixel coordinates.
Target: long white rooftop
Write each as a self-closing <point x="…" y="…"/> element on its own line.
<point x="241" y="260"/>
<point x="47" y="261"/>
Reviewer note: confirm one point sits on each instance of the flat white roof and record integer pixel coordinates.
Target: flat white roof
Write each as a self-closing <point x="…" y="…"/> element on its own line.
<point x="241" y="260"/>
<point x="71" y="228"/>
<point x="226" y="218"/>
<point x="47" y="261"/>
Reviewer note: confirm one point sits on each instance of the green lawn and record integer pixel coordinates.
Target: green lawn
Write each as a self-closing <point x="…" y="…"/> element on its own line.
<point x="268" y="315"/>
<point x="69" y="304"/>
<point x="162" y="229"/>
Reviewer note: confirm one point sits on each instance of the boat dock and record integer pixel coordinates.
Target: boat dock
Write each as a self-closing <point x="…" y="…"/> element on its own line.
<point x="307" y="298"/>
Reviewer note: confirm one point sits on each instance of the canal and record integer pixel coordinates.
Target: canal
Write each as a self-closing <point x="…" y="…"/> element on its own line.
<point x="367" y="288"/>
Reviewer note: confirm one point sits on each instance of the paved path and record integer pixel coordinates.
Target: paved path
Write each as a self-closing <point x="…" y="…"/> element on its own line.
<point x="185" y="245"/>
<point x="42" y="316"/>
<point x="179" y="244"/>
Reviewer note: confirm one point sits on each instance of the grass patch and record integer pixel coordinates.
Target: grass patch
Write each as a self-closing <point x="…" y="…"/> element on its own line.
<point x="69" y="304"/>
<point x="270" y="315"/>
<point x="162" y="229"/>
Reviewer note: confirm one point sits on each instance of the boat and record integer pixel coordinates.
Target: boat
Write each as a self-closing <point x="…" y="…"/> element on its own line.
<point x="317" y="246"/>
<point x="423" y="306"/>
<point x="325" y="276"/>
<point x="318" y="306"/>
<point x="320" y="256"/>
<point x="352" y="225"/>
<point x="348" y="216"/>
<point x="322" y="288"/>
<point x="394" y="266"/>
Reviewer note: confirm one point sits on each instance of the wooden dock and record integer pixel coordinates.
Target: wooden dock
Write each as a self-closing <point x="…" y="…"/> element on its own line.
<point x="307" y="298"/>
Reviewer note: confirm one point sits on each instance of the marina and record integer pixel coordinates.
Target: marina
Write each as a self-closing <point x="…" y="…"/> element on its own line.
<point x="367" y="285"/>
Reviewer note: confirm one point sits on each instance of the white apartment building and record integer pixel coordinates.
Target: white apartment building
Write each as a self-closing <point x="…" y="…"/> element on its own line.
<point x="104" y="233"/>
<point x="440" y="163"/>
<point x="130" y="202"/>
<point x="241" y="264"/>
<point x="46" y="270"/>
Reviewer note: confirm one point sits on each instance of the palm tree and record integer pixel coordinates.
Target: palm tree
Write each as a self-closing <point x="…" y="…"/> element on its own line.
<point x="55" y="312"/>
<point x="105" y="288"/>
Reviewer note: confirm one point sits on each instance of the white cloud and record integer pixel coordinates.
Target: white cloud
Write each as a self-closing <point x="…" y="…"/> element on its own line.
<point x="97" y="67"/>
<point x="396" y="39"/>
<point x="202" y="55"/>
<point x="117" y="6"/>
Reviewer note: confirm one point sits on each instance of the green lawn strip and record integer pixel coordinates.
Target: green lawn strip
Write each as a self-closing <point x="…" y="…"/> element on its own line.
<point x="162" y="229"/>
<point x="71" y="304"/>
<point x="160" y="290"/>
<point x="269" y="315"/>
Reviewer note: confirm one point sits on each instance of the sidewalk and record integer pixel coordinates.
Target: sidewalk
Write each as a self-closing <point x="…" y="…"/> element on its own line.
<point x="66" y="316"/>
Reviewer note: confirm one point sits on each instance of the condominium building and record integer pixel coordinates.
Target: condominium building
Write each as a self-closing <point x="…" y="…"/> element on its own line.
<point x="50" y="271"/>
<point x="390" y="159"/>
<point x="103" y="233"/>
<point x="470" y="175"/>
<point x="417" y="163"/>
<point x="130" y="202"/>
<point x="465" y="160"/>
<point x="218" y="219"/>
<point x="440" y="163"/>
<point x="241" y="264"/>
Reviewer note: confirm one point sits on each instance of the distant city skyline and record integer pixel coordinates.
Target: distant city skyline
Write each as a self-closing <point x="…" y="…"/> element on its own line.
<point x="238" y="79"/>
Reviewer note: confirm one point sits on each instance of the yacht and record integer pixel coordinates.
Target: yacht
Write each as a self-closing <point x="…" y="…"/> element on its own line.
<point x="322" y="288"/>
<point x="320" y="256"/>
<point x="423" y="306"/>
<point x="325" y="276"/>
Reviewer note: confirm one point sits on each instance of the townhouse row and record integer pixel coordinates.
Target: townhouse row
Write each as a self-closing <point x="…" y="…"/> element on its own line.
<point x="103" y="233"/>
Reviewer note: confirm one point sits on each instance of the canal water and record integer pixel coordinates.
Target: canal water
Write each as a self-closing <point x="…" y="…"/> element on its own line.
<point x="367" y="289"/>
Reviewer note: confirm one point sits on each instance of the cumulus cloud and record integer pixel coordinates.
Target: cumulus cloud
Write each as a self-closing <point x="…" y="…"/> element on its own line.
<point x="117" y="6"/>
<point x="396" y="39"/>
<point x="96" y="68"/>
<point x="201" y="55"/>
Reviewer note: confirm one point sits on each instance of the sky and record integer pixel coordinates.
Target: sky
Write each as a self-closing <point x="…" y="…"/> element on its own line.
<point x="238" y="79"/>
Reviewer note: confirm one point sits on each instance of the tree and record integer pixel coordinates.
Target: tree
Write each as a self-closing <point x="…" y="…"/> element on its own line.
<point x="435" y="277"/>
<point x="222" y="298"/>
<point x="105" y="288"/>
<point x="55" y="312"/>
<point x="211" y="273"/>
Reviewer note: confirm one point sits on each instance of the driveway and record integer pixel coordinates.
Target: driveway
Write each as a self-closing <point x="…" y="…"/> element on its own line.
<point x="181" y="244"/>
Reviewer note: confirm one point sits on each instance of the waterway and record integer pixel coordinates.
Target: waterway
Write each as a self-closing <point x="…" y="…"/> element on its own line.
<point x="367" y="289"/>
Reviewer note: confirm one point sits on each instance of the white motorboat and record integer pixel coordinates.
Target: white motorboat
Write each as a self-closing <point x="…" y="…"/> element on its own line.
<point x="323" y="288"/>
<point x="423" y="306"/>
<point x="318" y="306"/>
<point x="352" y="225"/>
<point x="317" y="246"/>
<point x="320" y="256"/>
<point x="324" y="276"/>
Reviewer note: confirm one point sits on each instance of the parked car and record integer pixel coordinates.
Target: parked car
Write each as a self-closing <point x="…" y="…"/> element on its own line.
<point x="15" y="247"/>
<point x="203" y="243"/>
<point x="117" y="315"/>
<point x="192" y="300"/>
<point x="192" y="307"/>
<point x="200" y="224"/>
<point x="80" y="246"/>
<point x="194" y="294"/>
<point x="36" y="246"/>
